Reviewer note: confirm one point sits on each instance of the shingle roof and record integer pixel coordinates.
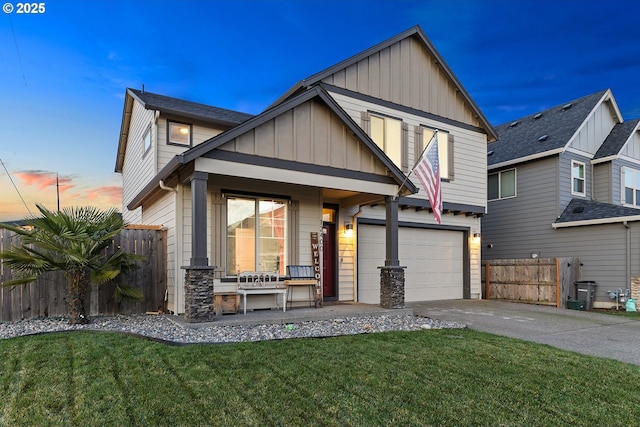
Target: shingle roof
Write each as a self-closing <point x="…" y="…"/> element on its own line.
<point x="586" y="210"/>
<point x="189" y="109"/>
<point x="526" y="136"/>
<point x="616" y="139"/>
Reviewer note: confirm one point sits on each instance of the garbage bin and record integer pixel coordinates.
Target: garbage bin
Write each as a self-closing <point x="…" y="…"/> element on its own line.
<point x="586" y="291"/>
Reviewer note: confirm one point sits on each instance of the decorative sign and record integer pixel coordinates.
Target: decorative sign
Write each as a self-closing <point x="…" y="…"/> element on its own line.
<point x="315" y="261"/>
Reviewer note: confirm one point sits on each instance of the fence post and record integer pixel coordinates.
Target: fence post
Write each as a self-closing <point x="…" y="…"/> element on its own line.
<point x="487" y="283"/>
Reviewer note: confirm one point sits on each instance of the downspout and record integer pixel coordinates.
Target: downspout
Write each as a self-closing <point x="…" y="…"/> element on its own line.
<point x="628" y="260"/>
<point x="176" y="273"/>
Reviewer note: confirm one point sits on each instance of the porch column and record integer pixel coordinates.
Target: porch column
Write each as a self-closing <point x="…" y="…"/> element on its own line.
<point x="392" y="274"/>
<point x="199" y="219"/>
<point x="198" y="279"/>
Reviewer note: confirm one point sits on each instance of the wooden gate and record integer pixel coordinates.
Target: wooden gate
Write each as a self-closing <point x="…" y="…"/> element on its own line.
<point x="545" y="281"/>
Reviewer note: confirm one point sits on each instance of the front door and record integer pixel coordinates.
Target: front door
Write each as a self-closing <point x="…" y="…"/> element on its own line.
<point x="329" y="270"/>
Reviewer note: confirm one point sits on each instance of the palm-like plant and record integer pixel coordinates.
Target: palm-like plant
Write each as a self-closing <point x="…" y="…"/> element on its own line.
<point x="73" y="241"/>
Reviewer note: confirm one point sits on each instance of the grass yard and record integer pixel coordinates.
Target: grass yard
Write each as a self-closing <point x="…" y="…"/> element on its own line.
<point x="437" y="377"/>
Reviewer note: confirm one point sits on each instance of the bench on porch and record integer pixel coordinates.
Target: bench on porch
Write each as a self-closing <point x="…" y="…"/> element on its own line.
<point x="261" y="283"/>
<point x="301" y="276"/>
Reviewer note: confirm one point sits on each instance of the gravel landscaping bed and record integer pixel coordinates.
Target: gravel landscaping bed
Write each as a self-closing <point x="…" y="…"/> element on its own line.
<point x="162" y="327"/>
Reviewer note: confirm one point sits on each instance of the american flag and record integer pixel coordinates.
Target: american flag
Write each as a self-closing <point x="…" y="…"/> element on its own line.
<point x="428" y="172"/>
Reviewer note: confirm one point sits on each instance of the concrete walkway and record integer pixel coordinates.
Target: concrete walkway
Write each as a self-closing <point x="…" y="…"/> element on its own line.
<point x="595" y="334"/>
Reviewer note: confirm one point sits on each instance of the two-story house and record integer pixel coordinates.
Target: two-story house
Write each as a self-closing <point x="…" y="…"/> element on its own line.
<point x="565" y="182"/>
<point x="330" y="157"/>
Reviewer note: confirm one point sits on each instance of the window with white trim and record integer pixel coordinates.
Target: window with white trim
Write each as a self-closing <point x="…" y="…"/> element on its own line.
<point x="256" y="234"/>
<point x="631" y="184"/>
<point x="386" y="132"/>
<point x="578" y="186"/>
<point x="501" y="185"/>
<point x="178" y="133"/>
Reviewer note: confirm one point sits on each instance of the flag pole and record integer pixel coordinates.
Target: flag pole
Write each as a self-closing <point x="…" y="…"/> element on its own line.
<point x="435" y="133"/>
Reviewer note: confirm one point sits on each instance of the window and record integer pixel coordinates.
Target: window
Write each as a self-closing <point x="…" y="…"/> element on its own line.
<point x="146" y="140"/>
<point x="502" y="185"/>
<point x="445" y="150"/>
<point x="256" y="245"/>
<point x="577" y="178"/>
<point x="178" y="133"/>
<point x="386" y="132"/>
<point x="631" y="180"/>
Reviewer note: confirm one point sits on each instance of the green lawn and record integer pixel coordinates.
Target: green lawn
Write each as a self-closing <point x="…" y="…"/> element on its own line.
<point x="436" y="377"/>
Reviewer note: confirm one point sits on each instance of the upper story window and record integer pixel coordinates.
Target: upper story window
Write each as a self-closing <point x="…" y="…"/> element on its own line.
<point x="445" y="149"/>
<point x="146" y="139"/>
<point x="256" y="234"/>
<point x="631" y="182"/>
<point x="502" y="185"/>
<point x="386" y="132"/>
<point x="178" y="133"/>
<point x="577" y="178"/>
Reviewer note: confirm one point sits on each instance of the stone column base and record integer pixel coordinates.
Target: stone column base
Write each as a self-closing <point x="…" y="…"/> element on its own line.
<point x="635" y="288"/>
<point x="392" y="287"/>
<point x="198" y="294"/>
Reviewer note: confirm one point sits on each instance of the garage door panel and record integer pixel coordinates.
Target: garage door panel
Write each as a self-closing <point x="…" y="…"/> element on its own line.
<point x="433" y="259"/>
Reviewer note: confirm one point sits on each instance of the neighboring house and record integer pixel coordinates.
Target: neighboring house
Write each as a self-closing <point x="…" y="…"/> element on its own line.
<point x="245" y="193"/>
<point x="565" y="182"/>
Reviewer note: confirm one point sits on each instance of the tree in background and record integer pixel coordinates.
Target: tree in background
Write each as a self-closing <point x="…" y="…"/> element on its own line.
<point x="72" y="240"/>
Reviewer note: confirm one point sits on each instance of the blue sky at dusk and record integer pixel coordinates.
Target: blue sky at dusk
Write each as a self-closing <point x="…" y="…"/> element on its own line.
<point x="63" y="73"/>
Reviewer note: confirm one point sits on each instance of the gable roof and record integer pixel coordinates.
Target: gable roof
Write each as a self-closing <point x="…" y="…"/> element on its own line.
<point x="617" y="139"/>
<point x="316" y="92"/>
<point x="415" y="32"/>
<point x="587" y="212"/>
<point x="173" y="106"/>
<point x="524" y="137"/>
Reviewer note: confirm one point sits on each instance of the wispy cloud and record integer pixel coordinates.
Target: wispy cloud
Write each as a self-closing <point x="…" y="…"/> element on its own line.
<point x="44" y="179"/>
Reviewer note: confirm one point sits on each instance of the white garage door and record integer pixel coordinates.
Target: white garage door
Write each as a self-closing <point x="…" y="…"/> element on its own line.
<point x="433" y="259"/>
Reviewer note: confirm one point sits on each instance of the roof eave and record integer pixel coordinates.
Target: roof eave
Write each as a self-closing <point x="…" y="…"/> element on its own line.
<point x="598" y="221"/>
<point x="127" y="110"/>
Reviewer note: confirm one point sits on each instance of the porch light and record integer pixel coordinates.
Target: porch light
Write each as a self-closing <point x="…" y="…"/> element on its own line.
<point x="348" y="229"/>
<point x="475" y="239"/>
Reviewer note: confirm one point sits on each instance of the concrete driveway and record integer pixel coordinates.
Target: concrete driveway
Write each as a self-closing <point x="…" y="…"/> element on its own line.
<point x="595" y="334"/>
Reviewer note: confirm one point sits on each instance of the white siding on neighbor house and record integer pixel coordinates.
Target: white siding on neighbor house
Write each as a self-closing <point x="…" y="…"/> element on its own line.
<point x="595" y="129"/>
<point x="469" y="185"/>
<point x="166" y="151"/>
<point x="137" y="169"/>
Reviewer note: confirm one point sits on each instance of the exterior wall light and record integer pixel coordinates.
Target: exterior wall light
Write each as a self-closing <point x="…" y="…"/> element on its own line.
<point x="475" y="239"/>
<point x="348" y="229"/>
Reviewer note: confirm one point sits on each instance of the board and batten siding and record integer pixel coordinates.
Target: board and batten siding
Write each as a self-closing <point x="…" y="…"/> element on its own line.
<point x="308" y="133"/>
<point x="137" y="169"/>
<point x="632" y="147"/>
<point x="595" y="129"/>
<point x="406" y="73"/>
<point x="469" y="185"/>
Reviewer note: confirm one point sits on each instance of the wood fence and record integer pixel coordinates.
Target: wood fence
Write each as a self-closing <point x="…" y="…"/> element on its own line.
<point x="545" y="281"/>
<point x="47" y="296"/>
